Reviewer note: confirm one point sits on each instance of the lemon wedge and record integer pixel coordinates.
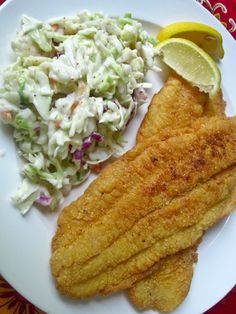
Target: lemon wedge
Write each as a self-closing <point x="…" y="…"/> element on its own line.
<point x="192" y="63"/>
<point x="203" y="35"/>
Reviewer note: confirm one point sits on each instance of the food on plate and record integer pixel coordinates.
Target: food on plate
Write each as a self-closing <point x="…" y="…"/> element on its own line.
<point x="154" y="201"/>
<point x="206" y="37"/>
<point x="192" y="63"/>
<point x="76" y="84"/>
<point x="163" y="290"/>
<point x="177" y="105"/>
<point x="180" y="104"/>
<point x="167" y="287"/>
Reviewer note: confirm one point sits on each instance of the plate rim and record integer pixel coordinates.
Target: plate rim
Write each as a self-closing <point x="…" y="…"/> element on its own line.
<point x="200" y="7"/>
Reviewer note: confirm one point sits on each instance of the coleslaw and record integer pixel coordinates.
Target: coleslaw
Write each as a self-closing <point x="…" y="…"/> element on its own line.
<point x="69" y="96"/>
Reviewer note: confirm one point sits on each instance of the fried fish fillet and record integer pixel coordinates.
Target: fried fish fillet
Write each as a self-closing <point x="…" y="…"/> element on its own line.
<point x="159" y="290"/>
<point x="157" y="207"/>
<point x="164" y="288"/>
<point x="177" y="105"/>
<point x="135" y="268"/>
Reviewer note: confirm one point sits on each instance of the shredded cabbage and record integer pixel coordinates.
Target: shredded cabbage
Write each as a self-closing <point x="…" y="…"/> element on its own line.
<point x="73" y="89"/>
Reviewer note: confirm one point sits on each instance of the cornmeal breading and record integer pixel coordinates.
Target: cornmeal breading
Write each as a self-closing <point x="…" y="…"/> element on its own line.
<point x="170" y="283"/>
<point x="125" y="274"/>
<point x="178" y="104"/>
<point x="152" y="179"/>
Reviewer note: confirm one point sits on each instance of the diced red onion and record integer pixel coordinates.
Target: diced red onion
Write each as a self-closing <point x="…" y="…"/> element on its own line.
<point x="44" y="200"/>
<point x="79" y="153"/>
<point x="94" y="136"/>
<point x="78" y="157"/>
<point x="97" y="137"/>
<point x="87" y="143"/>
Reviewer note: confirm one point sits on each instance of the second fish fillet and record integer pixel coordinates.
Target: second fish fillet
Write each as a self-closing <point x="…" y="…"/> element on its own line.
<point x="177" y="105"/>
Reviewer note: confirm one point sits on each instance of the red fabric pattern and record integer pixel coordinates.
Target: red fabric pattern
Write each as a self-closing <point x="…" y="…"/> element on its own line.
<point x="10" y="300"/>
<point x="224" y="11"/>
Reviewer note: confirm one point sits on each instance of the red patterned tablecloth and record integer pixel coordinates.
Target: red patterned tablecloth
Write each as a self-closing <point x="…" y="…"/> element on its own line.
<point x="11" y="302"/>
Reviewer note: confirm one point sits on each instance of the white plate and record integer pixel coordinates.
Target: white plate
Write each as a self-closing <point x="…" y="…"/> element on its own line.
<point x="25" y="241"/>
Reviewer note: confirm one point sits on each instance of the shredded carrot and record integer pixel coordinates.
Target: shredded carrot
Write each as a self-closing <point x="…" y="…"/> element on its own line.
<point x="96" y="168"/>
<point x="55" y="26"/>
<point x="57" y="124"/>
<point x="52" y="82"/>
<point x="6" y="115"/>
<point x="74" y="106"/>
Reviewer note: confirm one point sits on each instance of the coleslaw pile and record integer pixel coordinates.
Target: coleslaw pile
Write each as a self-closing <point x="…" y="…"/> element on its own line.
<point x="74" y="87"/>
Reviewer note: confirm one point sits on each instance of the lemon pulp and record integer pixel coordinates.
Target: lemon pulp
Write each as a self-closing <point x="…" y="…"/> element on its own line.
<point x="192" y="63"/>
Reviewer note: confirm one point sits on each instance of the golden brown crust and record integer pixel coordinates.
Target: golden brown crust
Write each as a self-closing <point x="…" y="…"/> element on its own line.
<point x="176" y="105"/>
<point x="194" y="101"/>
<point x="165" y="293"/>
<point x="182" y="163"/>
<point x="116" y="265"/>
<point x="168" y="286"/>
<point x="121" y="277"/>
<point x="215" y="107"/>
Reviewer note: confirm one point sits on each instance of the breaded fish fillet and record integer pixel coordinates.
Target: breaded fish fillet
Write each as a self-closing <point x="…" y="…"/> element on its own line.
<point x="164" y="288"/>
<point x="153" y="179"/>
<point x="178" y="104"/>
<point x="128" y="272"/>
<point x="156" y="291"/>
